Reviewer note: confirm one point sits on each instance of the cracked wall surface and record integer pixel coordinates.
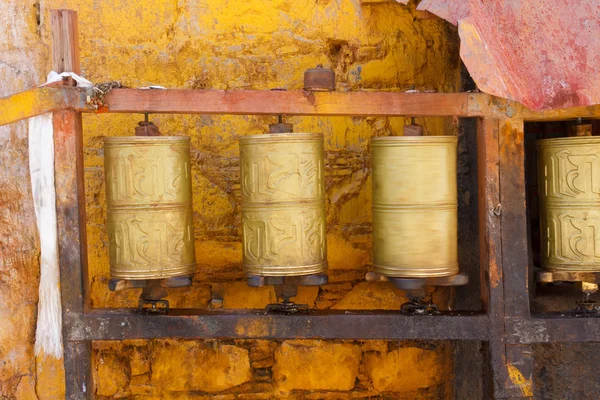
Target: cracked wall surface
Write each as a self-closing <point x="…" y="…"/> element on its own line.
<point x="233" y="44"/>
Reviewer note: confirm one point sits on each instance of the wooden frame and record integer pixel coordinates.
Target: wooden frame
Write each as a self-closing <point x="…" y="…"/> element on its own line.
<point x="505" y="323"/>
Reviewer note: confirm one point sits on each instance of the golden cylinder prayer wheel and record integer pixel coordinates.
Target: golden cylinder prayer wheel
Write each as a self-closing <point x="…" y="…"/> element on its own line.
<point x="283" y="204"/>
<point x="569" y="192"/>
<point x="414" y="206"/>
<point x="149" y="199"/>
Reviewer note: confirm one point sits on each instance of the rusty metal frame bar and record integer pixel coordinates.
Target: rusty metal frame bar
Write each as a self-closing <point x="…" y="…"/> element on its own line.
<point x="505" y="323"/>
<point x="119" y="324"/>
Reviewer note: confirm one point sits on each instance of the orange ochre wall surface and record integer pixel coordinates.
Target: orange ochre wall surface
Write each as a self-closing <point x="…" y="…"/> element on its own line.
<point x="234" y="44"/>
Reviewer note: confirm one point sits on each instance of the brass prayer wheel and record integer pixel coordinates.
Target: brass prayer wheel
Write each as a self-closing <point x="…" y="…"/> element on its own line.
<point x="283" y="204"/>
<point x="569" y="192"/>
<point x="149" y="200"/>
<point x="414" y="206"/>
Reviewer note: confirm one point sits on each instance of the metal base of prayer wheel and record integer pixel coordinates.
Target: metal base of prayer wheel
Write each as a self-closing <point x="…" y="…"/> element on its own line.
<point x="587" y="283"/>
<point x="286" y="287"/>
<point x="153" y="291"/>
<point x="116" y="285"/>
<point x="415" y="289"/>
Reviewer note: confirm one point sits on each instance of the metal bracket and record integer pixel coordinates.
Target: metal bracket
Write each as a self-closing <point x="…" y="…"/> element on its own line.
<point x="286" y="287"/>
<point x="416" y="289"/>
<point x="417" y="306"/>
<point x="153" y="306"/>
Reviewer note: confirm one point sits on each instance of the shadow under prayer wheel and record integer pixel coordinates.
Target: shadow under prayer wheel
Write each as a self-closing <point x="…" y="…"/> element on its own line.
<point x="569" y="186"/>
<point x="414" y="206"/>
<point x="283" y="204"/>
<point x="149" y="200"/>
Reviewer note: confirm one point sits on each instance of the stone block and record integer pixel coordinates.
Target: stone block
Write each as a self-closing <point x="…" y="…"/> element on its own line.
<point x="371" y="296"/>
<point x="342" y="255"/>
<point x="239" y="295"/>
<point x="316" y="365"/>
<point x="186" y="365"/>
<point x="327" y="396"/>
<point x="407" y="368"/>
<point x="139" y="362"/>
<point x="112" y="374"/>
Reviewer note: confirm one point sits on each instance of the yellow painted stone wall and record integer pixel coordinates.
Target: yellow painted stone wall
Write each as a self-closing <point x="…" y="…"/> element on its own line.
<point x="233" y="44"/>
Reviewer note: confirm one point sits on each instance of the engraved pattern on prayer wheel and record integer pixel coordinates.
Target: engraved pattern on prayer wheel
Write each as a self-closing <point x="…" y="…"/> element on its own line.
<point x="414" y="206"/>
<point x="283" y="204"/>
<point x="569" y="186"/>
<point x="149" y="200"/>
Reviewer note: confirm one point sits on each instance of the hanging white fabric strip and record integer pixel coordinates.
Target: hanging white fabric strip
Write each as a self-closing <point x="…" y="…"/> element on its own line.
<point x="48" y="336"/>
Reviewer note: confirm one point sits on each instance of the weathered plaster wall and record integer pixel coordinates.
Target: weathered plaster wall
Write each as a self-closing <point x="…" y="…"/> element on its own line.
<point x="259" y="369"/>
<point x="235" y="44"/>
<point x="22" y="64"/>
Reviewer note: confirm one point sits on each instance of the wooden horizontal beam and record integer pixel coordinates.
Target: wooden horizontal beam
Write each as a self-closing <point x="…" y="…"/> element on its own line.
<point x="102" y="324"/>
<point x="180" y="101"/>
<point x="584" y="112"/>
<point x="39" y="101"/>
<point x="377" y="104"/>
<point x="256" y="102"/>
<point x="550" y="328"/>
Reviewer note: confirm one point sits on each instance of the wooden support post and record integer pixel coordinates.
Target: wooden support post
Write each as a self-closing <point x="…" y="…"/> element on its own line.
<point x="516" y="272"/>
<point x="490" y="232"/>
<point x="503" y="243"/>
<point x="65" y="41"/>
<point x="513" y="215"/>
<point x="70" y="207"/>
<point x="490" y="241"/>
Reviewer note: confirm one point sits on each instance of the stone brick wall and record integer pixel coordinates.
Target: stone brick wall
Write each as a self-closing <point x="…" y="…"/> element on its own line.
<point x="238" y="44"/>
<point x="260" y="369"/>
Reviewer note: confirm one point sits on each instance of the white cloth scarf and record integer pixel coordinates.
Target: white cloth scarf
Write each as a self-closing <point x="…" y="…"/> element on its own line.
<point x="48" y="335"/>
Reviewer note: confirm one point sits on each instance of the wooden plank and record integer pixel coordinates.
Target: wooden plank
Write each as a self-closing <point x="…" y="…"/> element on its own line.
<point x="511" y="370"/>
<point x="72" y="245"/>
<point x="178" y="101"/>
<point x="65" y="41"/>
<point x="512" y="365"/>
<point x="39" y="101"/>
<point x="519" y="364"/>
<point x="70" y="209"/>
<point x="490" y="230"/>
<point x="485" y="105"/>
<point x="78" y="357"/>
<point x="490" y="241"/>
<point x="515" y="256"/>
<point x="52" y="98"/>
<point x="561" y="114"/>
